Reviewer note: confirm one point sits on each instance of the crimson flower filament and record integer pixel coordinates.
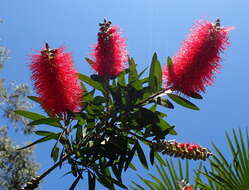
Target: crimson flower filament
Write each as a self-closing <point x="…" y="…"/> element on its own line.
<point x="198" y="59"/>
<point x="109" y="54"/>
<point x="56" y="81"/>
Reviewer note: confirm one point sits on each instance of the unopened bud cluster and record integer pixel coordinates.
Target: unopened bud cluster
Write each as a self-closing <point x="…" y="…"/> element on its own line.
<point x="104" y="33"/>
<point x="182" y="150"/>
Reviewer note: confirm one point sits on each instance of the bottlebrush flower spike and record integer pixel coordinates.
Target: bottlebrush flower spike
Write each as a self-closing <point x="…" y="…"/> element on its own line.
<point x="109" y="54"/>
<point x="182" y="150"/>
<point x="198" y="59"/>
<point x="56" y="81"/>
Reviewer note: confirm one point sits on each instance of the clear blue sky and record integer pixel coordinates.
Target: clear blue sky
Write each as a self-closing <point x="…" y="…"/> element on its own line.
<point x="150" y="26"/>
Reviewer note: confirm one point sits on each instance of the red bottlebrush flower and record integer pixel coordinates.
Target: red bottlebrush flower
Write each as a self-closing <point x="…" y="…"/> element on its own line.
<point x="56" y="81"/>
<point x="198" y="59"/>
<point x="109" y="54"/>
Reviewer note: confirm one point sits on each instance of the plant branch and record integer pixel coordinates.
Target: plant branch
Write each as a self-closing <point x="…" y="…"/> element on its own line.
<point x="35" y="181"/>
<point x="163" y="91"/>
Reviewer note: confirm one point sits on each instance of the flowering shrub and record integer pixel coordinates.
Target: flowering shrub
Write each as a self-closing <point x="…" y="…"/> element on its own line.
<point x="99" y="128"/>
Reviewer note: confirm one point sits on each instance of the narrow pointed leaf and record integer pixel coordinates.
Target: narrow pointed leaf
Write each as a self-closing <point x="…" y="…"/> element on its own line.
<point x="91" y="181"/>
<point x="74" y="184"/>
<point x="55" y="153"/>
<point x="35" y="99"/>
<point x="155" y="75"/>
<point x="183" y="102"/>
<point x="44" y="139"/>
<point x="141" y="156"/>
<point x="47" y="121"/>
<point x="91" y="82"/>
<point x="152" y="155"/>
<point x="29" y="115"/>
<point x="169" y="61"/>
<point x="89" y="61"/>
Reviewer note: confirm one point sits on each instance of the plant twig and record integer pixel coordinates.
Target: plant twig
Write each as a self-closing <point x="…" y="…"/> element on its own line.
<point x="163" y="91"/>
<point x="35" y="181"/>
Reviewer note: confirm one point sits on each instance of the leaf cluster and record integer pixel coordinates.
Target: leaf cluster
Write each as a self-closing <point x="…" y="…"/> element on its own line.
<point x="118" y="115"/>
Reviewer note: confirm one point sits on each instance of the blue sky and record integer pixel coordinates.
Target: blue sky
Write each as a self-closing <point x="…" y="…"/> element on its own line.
<point x="149" y="26"/>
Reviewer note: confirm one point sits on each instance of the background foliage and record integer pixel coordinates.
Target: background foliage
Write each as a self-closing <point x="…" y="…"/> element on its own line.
<point x="16" y="167"/>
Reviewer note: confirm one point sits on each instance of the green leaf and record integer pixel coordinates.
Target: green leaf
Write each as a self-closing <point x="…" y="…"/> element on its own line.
<point x="183" y="102"/>
<point x="169" y="61"/>
<point x="141" y="155"/>
<point x="54" y="136"/>
<point x="48" y="121"/>
<point x="117" y="96"/>
<point x="102" y="178"/>
<point x="35" y="99"/>
<point x="29" y="115"/>
<point x="145" y="116"/>
<point x="140" y="74"/>
<point x="97" y="78"/>
<point x="159" y="158"/>
<point x="133" y="75"/>
<point x="88" y="97"/>
<point x="132" y="167"/>
<point x="44" y="133"/>
<point x="74" y="184"/>
<point x="155" y="76"/>
<point x="161" y="129"/>
<point x="151" y="185"/>
<point x="79" y="134"/>
<point x="91" y="181"/>
<point x="89" y="61"/>
<point x="116" y="172"/>
<point x="164" y="125"/>
<point x="172" y="131"/>
<point x="152" y="155"/>
<point x="83" y="87"/>
<point x="129" y="158"/>
<point x="121" y="79"/>
<point x="164" y="102"/>
<point x="55" y="153"/>
<point x="91" y="82"/>
<point x="99" y="100"/>
<point x="195" y="95"/>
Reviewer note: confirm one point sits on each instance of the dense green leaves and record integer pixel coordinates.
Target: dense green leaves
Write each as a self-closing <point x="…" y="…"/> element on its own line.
<point x="105" y="135"/>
